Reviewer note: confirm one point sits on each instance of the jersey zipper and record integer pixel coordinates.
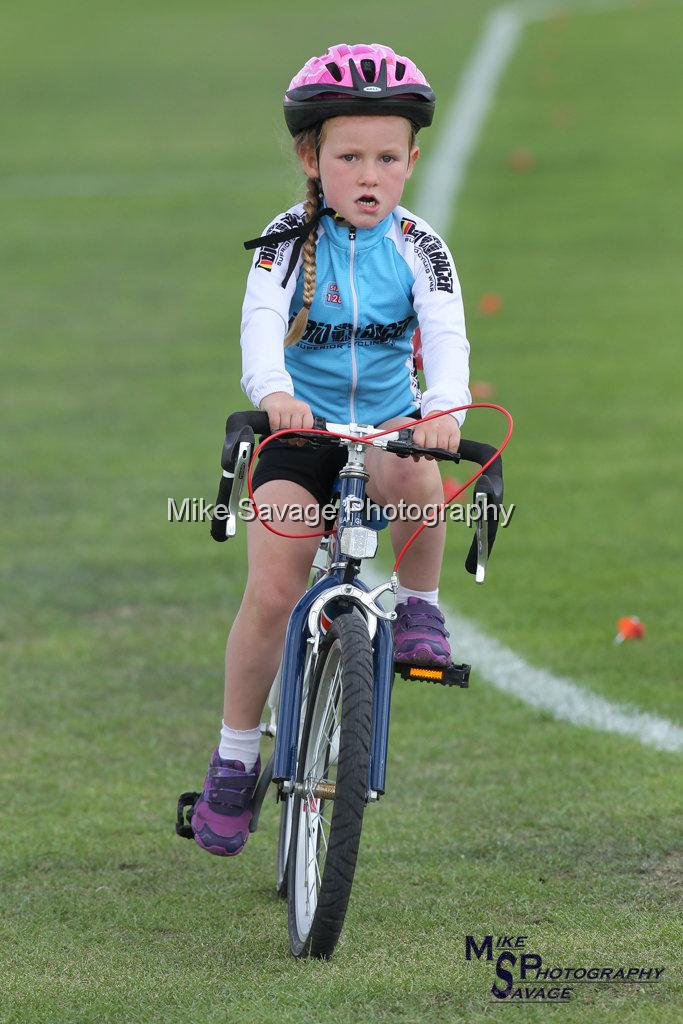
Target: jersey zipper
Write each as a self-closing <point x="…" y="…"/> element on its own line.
<point x="354" y="296"/>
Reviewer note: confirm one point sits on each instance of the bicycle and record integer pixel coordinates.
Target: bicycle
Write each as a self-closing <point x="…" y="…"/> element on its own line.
<point x="330" y="701"/>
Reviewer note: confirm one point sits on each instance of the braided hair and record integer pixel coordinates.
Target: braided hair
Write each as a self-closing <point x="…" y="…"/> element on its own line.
<point x="312" y="204"/>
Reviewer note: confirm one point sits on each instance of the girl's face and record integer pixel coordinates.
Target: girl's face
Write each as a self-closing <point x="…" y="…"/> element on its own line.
<point x="364" y="164"/>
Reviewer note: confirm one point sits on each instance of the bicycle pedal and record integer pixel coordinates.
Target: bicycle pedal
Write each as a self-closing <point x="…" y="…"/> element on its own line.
<point x="449" y="675"/>
<point x="183" y="824"/>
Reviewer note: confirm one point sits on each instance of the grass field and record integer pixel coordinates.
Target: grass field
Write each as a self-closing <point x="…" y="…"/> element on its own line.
<point x="129" y="176"/>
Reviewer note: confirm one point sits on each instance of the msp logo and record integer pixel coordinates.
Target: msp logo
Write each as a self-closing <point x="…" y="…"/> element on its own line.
<point x="522" y="977"/>
<point x="333" y="296"/>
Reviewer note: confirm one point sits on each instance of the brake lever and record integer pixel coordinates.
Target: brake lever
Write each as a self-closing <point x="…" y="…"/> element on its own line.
<point x="404" y="446"/>
<point x="482" y="537"/>
<point x="242" y="460"/>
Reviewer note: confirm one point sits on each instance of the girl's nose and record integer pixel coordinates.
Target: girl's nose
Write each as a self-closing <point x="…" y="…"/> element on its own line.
<point x="368" y="174"/>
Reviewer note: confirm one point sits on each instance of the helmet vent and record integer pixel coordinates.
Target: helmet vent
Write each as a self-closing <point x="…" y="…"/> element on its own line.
<point x="367" y="66"/>
<point x="400" y="71"/>
<point x="335" y="71"/>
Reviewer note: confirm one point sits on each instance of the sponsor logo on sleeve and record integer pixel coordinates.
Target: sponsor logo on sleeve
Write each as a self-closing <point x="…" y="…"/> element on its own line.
<point x="432" y="254"/>
<point x="270" y="255"/>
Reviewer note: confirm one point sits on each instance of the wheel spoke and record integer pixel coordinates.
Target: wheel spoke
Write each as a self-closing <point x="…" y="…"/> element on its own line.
<point x="313" y="858"/>
<point x="306" y="885"/>
<point x="330" y="724"/>
<point x="324" y="750"/>
<point x="331" y="704"/>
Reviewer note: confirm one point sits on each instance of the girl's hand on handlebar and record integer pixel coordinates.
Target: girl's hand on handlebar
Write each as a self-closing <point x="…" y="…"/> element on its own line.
<point x="443" y="432"/>
<point x="287" y="413"/>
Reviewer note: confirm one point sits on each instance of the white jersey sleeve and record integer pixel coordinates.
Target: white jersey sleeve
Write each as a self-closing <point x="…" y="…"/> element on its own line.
<point x="265" y="313"/>
<point x="437" y="300"/>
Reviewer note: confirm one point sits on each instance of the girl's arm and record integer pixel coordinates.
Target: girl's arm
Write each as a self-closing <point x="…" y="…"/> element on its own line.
<point x="437" y="301"/>
<point x="265" y="315"/>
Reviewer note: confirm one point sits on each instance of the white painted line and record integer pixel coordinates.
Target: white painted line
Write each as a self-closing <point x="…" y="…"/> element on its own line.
<point x="563" y="698"/>
<point x="499" y="665"/>
<point x="442" y="179"/>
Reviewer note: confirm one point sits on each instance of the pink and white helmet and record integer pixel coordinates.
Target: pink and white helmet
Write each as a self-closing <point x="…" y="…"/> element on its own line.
<point x="367" y="78"/>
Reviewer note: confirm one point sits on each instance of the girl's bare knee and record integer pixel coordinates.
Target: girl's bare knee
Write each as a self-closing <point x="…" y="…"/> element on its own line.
<point x="413" y="481"/>
<point x="270" y="601"/>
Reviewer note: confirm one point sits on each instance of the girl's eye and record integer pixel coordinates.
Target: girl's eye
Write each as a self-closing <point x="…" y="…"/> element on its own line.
<point x="348" y="157"/>
<point x="386" y="159"/>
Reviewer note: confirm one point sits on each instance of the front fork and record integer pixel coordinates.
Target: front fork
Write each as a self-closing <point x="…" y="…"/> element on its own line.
<point x="298" y="663"/>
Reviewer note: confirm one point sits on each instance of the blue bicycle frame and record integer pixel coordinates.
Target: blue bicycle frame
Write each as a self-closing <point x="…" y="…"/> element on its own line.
<point x="298" y="639"/>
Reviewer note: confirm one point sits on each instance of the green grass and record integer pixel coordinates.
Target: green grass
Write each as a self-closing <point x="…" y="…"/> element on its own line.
<point x="128" y="180"/>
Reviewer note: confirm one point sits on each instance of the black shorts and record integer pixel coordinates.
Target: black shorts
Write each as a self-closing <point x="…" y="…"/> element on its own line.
<point x="312" y="468"/>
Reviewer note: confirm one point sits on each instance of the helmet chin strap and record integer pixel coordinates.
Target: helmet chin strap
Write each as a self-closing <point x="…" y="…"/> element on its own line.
<point x="299" y="233"/>
<point x="318" y="144"/>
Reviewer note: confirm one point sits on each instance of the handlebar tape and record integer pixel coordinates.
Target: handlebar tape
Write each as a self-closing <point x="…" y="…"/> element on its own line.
<point x="241" y="426"/>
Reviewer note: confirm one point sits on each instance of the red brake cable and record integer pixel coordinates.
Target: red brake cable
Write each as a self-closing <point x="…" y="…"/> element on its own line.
<point x="367" y="440"/>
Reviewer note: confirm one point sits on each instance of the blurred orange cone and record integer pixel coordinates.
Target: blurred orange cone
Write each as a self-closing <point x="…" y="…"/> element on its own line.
<point x="482" y="389"/>
<point x="629" y="628"/>
<point x="521" y="159"/>
<point x="490" y="304"/>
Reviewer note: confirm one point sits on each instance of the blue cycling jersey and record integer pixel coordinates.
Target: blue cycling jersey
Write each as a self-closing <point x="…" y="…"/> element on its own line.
<point x="374" y="286"/>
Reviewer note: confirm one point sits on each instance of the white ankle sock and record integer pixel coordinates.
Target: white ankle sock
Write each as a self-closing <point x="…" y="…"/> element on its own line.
<point x="240" y="745"/>
<point x="403" y="593"/>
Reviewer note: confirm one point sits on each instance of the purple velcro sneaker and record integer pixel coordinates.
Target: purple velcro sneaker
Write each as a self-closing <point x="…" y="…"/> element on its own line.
<point x="420" y="634"/>
<point x="221" y="816"/>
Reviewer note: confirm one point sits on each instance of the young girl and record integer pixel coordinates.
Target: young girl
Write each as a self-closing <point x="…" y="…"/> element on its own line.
<point x="326" y="330"/>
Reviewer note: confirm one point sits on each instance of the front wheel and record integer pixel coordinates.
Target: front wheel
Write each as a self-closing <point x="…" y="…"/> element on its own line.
<point x="331" y="790"/>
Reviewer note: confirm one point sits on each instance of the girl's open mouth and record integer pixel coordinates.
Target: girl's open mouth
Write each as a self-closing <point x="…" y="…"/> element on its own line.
<point x="368" y="202"/>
